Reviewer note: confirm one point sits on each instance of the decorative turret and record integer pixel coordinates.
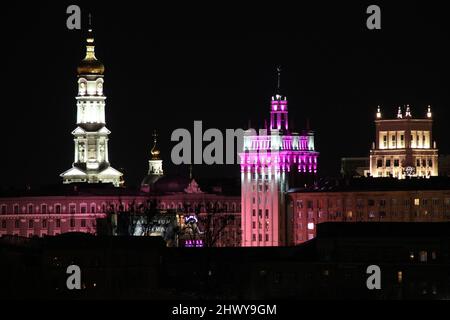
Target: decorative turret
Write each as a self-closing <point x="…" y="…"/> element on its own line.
<point x="378" y="112"/>
<point x="399" y="113"/>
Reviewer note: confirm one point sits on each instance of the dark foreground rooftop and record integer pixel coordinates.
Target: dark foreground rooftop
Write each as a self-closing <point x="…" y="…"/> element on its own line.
<point x="413" y="257"/>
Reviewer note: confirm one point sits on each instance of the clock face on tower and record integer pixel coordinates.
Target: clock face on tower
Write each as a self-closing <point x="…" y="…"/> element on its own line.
<point x="409" y="171"/>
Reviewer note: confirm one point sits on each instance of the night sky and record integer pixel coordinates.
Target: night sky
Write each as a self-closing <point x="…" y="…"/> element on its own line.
<point x="167" y="66"/>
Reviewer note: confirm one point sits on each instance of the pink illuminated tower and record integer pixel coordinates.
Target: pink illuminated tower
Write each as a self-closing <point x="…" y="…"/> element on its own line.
<point x="273" y="160"/>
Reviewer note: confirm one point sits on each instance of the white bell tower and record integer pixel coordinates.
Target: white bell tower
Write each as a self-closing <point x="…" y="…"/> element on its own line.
<point x="91" y="161"/>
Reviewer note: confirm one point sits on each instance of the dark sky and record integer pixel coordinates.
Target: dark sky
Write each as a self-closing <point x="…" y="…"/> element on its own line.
<point x="167" y="66"/>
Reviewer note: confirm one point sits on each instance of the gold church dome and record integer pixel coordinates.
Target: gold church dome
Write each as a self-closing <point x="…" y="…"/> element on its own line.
<point x="90" y="65"/>
<point x="155" y="151"/>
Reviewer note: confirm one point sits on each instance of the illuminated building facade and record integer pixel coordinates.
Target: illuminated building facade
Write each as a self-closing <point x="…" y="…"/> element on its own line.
<point x="272" y="161"/>
<point x="91" y="163"/>
<point x="368" y="200"/>
<point x="404" y="146"/>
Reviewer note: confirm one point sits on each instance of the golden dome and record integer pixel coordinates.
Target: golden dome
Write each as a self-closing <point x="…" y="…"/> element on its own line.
<point x="155" y="151"/>
<point x="90" y="65"/>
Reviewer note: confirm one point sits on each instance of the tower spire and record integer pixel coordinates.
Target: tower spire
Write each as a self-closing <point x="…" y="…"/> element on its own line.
<point x="278" y="79"/>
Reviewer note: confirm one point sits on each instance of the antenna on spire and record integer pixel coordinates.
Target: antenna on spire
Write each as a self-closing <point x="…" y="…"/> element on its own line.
<point x="90" y="21"/>
<point x="278" y="78"/>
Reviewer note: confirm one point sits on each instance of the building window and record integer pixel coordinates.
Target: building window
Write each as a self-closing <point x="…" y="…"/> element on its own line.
<point x="417" y="202"/>
<point x="30" y="208"/>
<point x="83" y="223"/>
<point x="83" y="209"/>
<point x="423" y="256"/>
<point x="310" y="204"/>
<point x="253" y="225"/>
<point x="3" y="209"/>
<point x="310" y="226"/>
<point x="388" y="163"/>
<point x="379" y="163"/>
<point x="260" y="213"/>
<point x="253" y="237"/>
<point x="17" y="223"/>
<point x="93" y="208"/>
<point x="58" y="208"/>
<point x="3" y="224"/>
<point x="382" y="203"/>
<point x="399" y="277"/>
<point x="267" y="237"/>
<point x="72" y="208"/>
<point x="30" y="224"/>
<point x="72" y="223"/>
<point x="371" y="202"/>
<point x="267" y="213"/>
<point x="254" y="213"/>
<point x="300" y="204"/>
<point x="44" y="223"/>
<point x="396" y="163"/>
<point x="430" y="163"/>
<point x="58" y="223"/>
<point x="44" y="208"/>
<point x="260" y="237"/>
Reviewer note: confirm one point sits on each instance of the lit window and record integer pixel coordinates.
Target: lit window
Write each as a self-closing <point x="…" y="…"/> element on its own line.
<point x="417" y="202"/>
<point x="399" y="277"/>
<point x="310" y="226"/>
<point x="423" y="256"/>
